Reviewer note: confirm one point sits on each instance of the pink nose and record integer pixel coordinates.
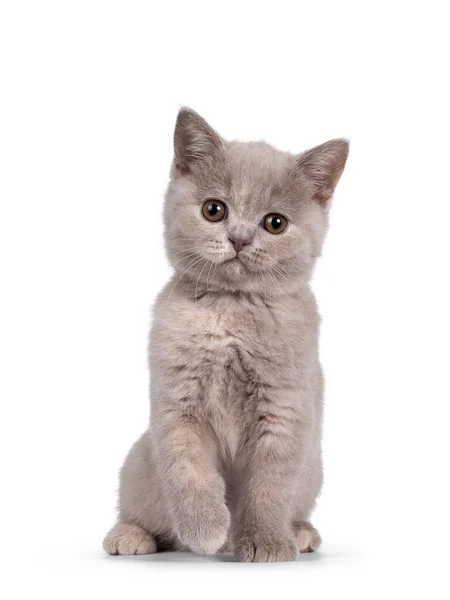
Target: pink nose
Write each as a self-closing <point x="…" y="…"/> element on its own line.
<point x="238" y="243"/>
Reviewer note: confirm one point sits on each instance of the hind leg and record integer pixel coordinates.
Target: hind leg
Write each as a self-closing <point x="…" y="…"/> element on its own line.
<point x="144" y="525"/>
<point x="308" y="538"/>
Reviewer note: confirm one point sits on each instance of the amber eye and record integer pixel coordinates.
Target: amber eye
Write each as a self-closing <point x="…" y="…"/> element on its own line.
<point x="214" y="210"/>
<point x="274" y="223"/>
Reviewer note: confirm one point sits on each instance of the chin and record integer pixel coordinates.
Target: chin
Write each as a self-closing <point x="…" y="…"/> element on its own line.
<point x="236" y="276"/>
<point x="234" y="269"/>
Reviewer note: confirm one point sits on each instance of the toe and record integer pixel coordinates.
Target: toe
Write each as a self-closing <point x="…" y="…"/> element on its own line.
<point x="266" y="550"/>
<point x="129" y="539"/>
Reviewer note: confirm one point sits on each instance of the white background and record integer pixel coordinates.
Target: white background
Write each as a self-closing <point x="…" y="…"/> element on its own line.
<point x="89" y="96"/>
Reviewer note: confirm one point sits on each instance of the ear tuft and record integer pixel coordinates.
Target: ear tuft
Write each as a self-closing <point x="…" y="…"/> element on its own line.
<point x="323" y="166"/>
<point x="195" y="142"/>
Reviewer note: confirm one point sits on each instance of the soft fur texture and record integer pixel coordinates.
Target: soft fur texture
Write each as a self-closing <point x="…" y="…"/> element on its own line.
<point x="232" y="457"/>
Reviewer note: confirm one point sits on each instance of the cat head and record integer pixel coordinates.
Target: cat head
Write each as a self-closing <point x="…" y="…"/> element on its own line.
<point x="245" y="216"/>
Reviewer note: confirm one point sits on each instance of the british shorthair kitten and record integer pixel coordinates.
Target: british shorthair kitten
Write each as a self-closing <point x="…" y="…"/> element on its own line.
<point x="232" y="457"/>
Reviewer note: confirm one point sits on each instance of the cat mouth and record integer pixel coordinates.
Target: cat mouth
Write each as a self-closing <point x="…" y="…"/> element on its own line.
<point x="234" y="260"/>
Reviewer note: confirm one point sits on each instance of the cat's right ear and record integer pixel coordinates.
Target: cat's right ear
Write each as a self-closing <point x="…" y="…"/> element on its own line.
<point x="195" y="143"/>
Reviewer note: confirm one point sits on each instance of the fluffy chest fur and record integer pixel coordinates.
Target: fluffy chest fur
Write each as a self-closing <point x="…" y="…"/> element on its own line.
<point x="218" y="352"/>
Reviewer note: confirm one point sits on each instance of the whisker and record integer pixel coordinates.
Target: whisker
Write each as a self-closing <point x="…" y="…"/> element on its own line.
<point x="209" y="273"/>
<point x="192" y="264"/>
<point x="192" y="254"/>
<point x="192" y="276"/>
<point x="280" y="272"/>
<point x="198" y="279"/>
<point x="187" y="250"/>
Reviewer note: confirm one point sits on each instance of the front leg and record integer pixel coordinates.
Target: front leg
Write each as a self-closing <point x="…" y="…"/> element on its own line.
<point x="272" y="461"/>
<point x="194" y="489"/>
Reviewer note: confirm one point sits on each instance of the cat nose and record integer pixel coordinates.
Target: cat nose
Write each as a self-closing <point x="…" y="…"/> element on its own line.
<point x="239" y="243"/>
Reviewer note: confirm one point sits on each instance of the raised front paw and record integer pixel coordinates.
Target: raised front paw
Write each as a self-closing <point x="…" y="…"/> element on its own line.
<point x="205" y="530"/>
<point x="266" y="549"/>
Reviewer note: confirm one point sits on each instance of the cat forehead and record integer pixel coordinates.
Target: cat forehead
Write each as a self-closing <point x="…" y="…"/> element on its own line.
<point x="257" y="172"/>
<point x="256" y="160"/>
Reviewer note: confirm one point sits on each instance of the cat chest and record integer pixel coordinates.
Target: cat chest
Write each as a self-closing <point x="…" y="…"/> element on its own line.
<point x="225" y="394"/>
<point x="221" y="348"/>
<point x="228" y="351"/>
<point x="219" y="357"/>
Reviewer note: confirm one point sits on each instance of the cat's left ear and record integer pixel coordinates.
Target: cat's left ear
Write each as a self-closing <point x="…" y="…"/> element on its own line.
<point x="323" y="166"/>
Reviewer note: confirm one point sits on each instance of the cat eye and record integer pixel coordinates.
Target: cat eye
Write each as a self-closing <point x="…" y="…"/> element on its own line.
<point x="274" y="223"/>
<point x="214" y="210"/>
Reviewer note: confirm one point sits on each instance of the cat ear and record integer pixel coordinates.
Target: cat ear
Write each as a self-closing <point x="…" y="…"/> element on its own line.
<point x="195" y="142"/>
<point x="323" y="167"/>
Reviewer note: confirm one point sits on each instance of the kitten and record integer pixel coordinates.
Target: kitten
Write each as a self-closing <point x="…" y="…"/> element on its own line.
<point x="232" y="457"/>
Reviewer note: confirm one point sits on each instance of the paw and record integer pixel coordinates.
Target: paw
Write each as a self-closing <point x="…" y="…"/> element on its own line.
<point x="308" y="537"/>
<point x="266" y="549"/>
<point x="227" y="547"/>
<point x="206" y="531"/>
<point x="129" y="539"/>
